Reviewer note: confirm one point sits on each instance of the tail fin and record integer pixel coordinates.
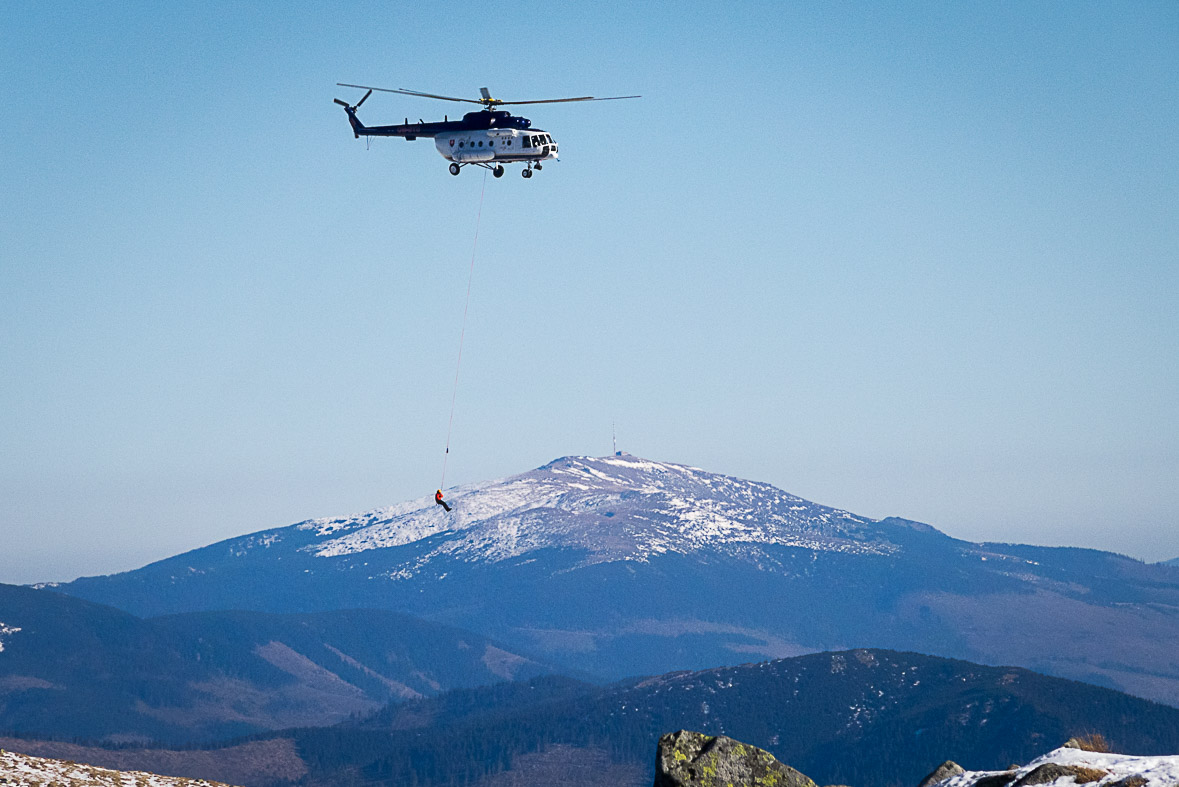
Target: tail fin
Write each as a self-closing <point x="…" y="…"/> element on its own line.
<point x="357" y="127"/>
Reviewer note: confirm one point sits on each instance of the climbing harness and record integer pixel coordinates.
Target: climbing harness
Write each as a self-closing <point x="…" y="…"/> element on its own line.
<point x="463" y="332"/>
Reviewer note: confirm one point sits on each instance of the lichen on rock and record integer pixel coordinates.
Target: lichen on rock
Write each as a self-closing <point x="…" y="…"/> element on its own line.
<point x="692" y="759"/>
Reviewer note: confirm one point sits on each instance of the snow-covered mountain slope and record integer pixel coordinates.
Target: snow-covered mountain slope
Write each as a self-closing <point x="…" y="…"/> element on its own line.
<point x="612" y="508"/>
<point x="620" y="566"/>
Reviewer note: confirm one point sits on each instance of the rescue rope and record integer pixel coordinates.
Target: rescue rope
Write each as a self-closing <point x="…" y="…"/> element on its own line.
<point x="463" y="332"/>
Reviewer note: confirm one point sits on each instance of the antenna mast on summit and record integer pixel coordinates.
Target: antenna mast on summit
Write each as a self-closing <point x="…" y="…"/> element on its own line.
<point x="614" y="437"/>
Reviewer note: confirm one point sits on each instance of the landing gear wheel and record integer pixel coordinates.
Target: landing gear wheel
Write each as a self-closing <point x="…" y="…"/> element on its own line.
<point x="454" y="169"/>
<point x="526" y="173"/>
<point x="538" y="167"/>
<point x="498" y="171"/>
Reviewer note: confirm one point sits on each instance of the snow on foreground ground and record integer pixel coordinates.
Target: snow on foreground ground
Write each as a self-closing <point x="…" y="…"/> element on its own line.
<point x="1119" y="770"/>
<point x="22" y="770"/>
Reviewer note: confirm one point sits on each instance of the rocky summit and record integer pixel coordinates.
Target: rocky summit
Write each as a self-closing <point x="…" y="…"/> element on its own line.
<point x="691" y="759"/>
<point x="21" y="770"/>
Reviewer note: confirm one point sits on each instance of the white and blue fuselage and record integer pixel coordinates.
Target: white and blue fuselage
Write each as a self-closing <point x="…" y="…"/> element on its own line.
<point x="488" y="139"/>
<point x="496" y="145"/>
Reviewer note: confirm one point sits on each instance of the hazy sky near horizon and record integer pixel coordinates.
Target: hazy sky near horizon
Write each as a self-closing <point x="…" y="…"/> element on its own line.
<point x="916" y="259"/>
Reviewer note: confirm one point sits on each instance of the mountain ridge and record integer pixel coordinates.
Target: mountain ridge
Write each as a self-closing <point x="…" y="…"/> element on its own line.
<point x="868" y="717"/>
<point x="620" y="566"/>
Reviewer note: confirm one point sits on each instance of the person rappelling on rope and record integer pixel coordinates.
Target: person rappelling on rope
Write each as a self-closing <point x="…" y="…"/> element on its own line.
<point x="459" y="361"/>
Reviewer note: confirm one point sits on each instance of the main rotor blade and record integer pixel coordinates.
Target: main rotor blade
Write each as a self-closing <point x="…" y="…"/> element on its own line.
<point x="410" y="93"/>
<point x="562" y="100"/>
<point x="445" y="98"/>
<point x="486" y="101"/>
<point x="431" y="95"/>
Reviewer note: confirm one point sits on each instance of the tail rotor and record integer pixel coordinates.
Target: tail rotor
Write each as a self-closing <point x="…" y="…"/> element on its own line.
<point x="353" y="107"/>
<point x="357" y="126"/>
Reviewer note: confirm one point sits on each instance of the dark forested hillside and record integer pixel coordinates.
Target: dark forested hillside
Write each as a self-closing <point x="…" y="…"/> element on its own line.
<point x="73" y="669"/>
<point x="871" y="718"/>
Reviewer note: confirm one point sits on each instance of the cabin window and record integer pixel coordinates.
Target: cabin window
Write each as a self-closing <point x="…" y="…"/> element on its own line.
<point x="480" y="143"/>
<point x="460" y="144"/>
<point x="527" y="141"/>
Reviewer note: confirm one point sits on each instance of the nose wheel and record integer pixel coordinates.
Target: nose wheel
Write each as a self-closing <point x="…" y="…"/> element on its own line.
<point x="526" y="173"/>
<point x="454" y="169"/>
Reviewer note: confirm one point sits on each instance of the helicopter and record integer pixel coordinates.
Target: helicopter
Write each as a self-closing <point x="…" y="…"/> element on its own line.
<point x="488" y="138"/>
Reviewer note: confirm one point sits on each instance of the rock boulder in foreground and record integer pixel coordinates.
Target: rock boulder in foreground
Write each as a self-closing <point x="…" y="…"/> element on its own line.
<point x="691" y="759"/>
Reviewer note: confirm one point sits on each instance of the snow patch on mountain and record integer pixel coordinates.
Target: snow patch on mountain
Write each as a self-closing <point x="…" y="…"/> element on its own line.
<point x="6" y="630"/>
<point x="612" y="508"/>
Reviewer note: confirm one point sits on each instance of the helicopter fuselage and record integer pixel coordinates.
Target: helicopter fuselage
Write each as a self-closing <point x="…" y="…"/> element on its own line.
<point x="497" y="144"/>
<point x="487" y="139"/>
<point x="489" y="135"/>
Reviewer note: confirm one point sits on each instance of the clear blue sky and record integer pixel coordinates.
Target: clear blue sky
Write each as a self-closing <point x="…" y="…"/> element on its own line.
<point x="915" y="259"/>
